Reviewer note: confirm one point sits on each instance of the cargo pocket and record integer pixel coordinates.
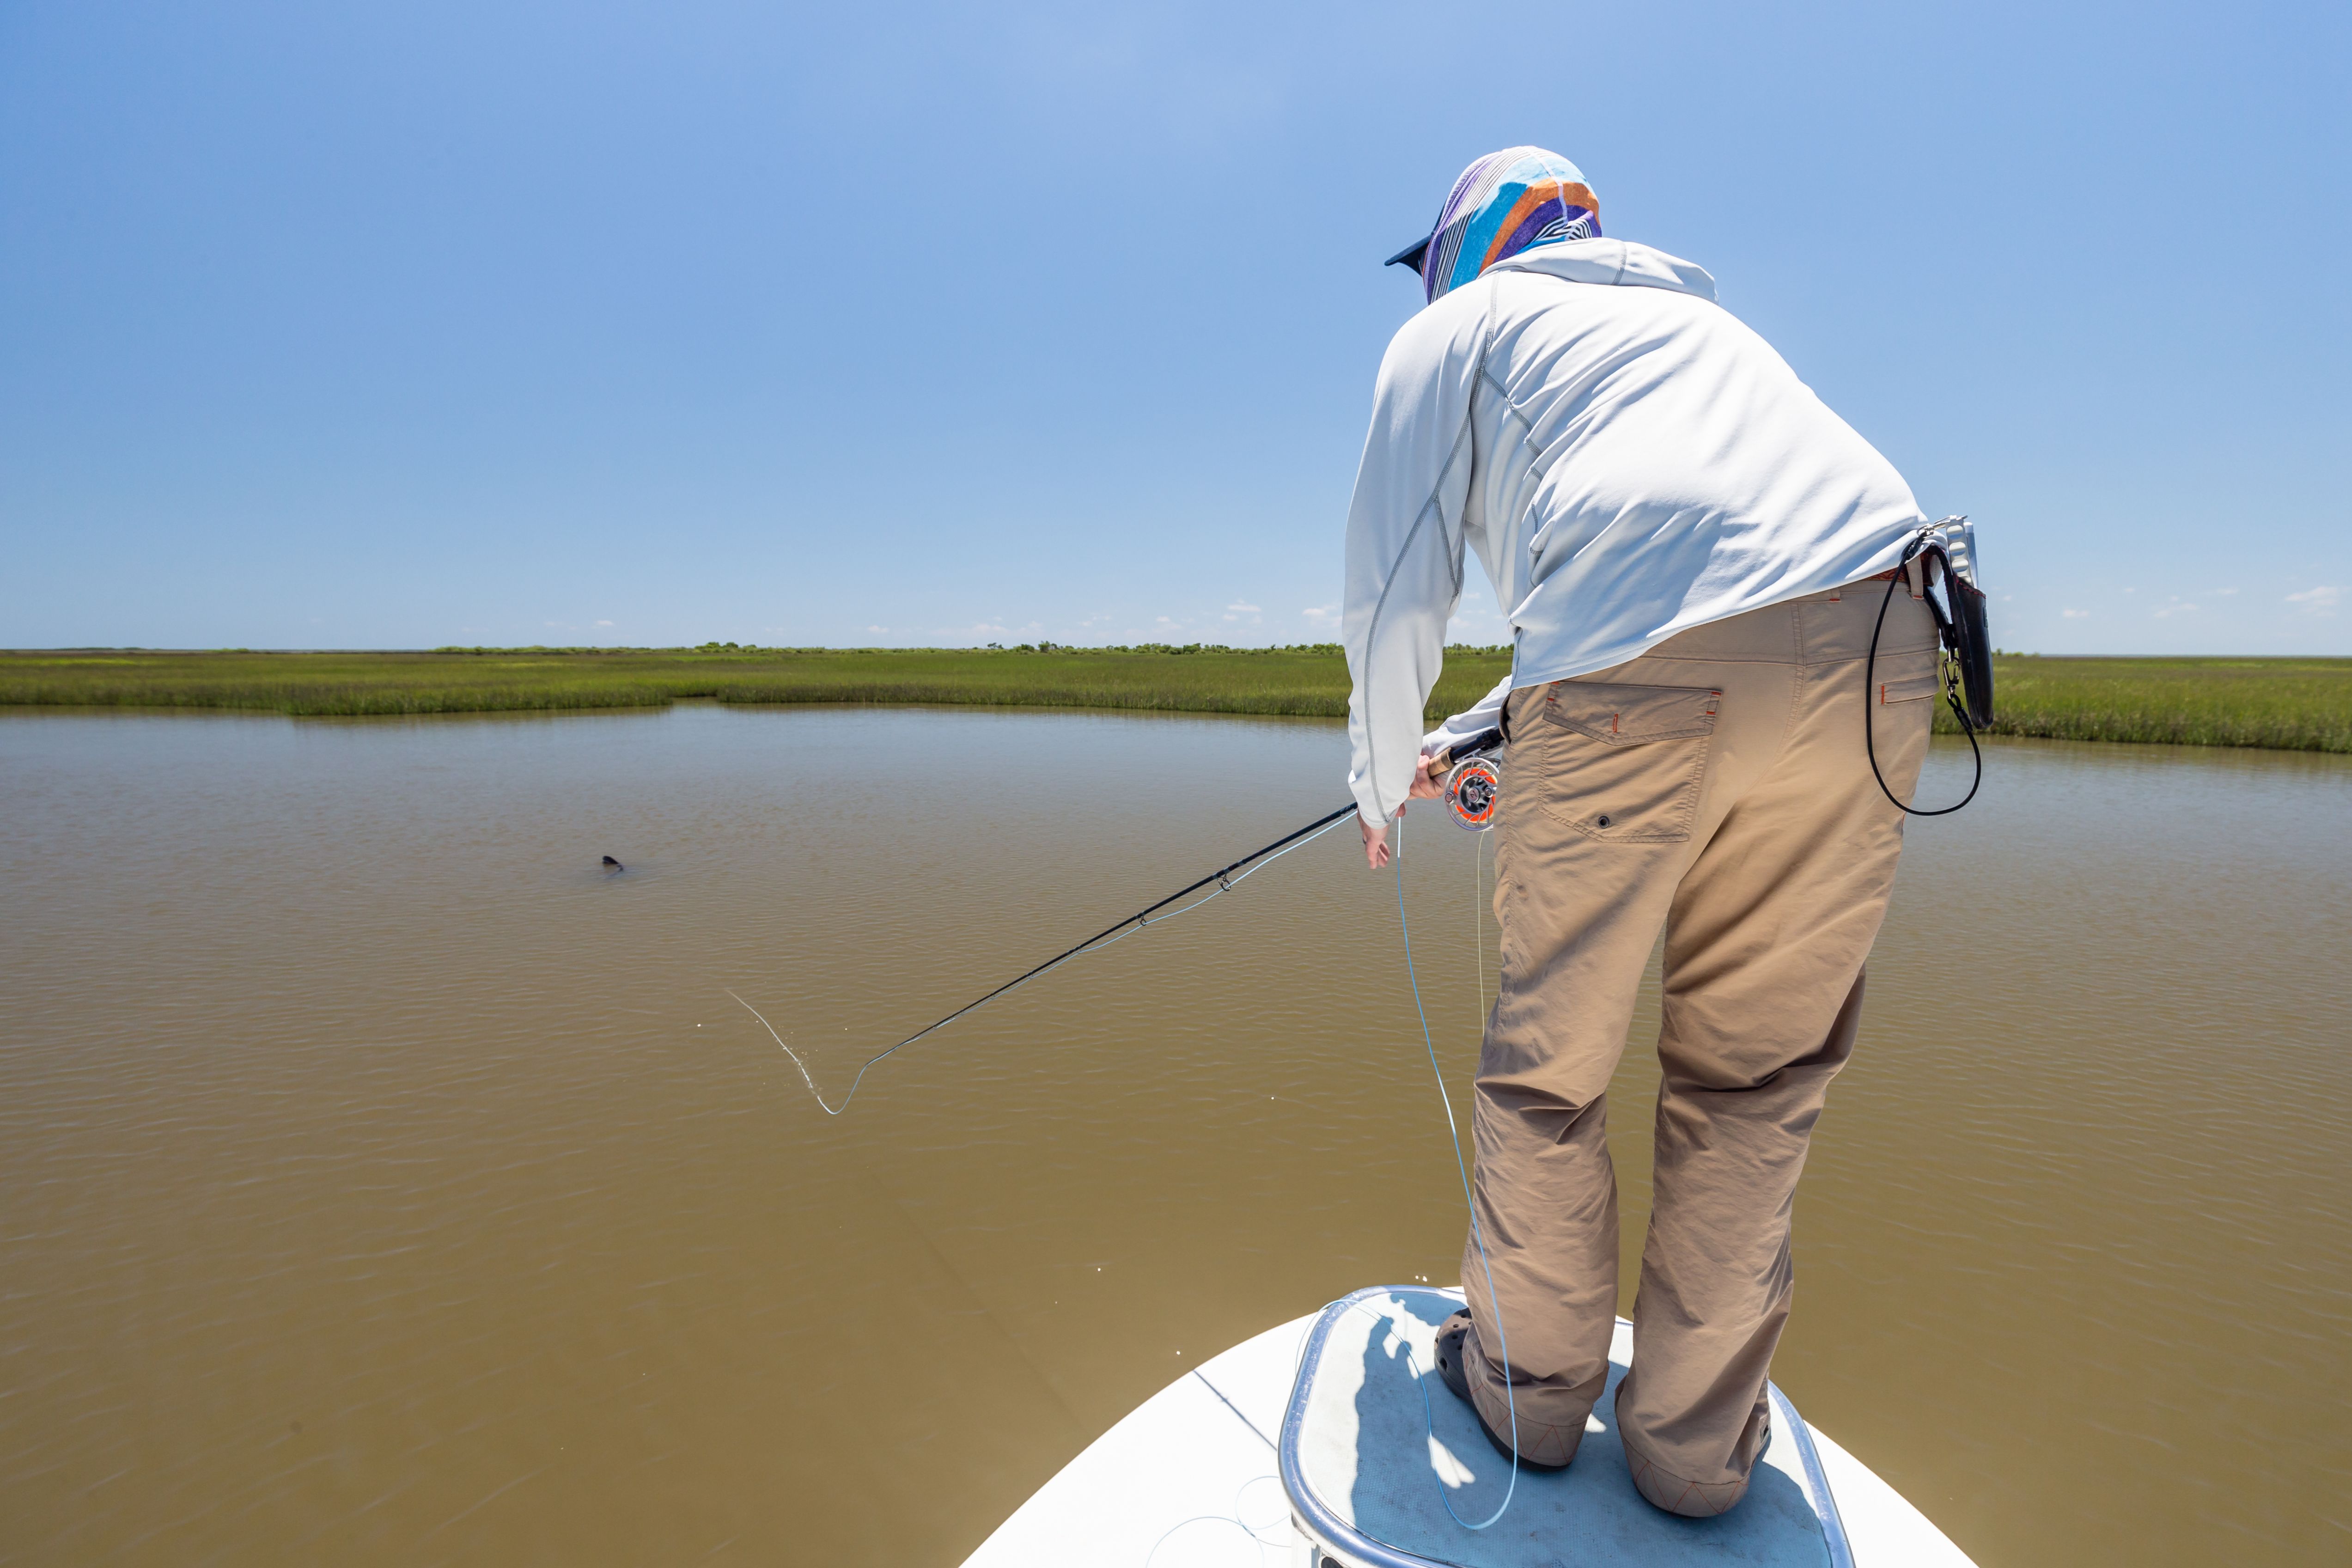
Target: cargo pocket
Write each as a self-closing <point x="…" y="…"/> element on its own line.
<point x="1623" y="763"/>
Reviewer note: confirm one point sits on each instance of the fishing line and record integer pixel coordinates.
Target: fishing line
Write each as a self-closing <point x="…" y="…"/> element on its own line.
<point x="1478" y="924"/>
<point x="1227" y="880"/>
<point x="1477" y="1235"/>
<point x="1109" y="936"/>
<point x="1233" y="1519"/>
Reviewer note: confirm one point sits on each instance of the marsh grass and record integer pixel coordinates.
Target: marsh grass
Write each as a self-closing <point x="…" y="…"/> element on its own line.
<point x="2282" y="704"/>
<point x="2296" y="704"/>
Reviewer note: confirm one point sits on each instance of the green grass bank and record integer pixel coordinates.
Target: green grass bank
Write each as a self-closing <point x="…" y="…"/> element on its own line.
<point x="2293" y="704"/>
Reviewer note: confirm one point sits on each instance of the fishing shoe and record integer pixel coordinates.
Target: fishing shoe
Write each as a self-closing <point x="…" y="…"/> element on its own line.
<point x="1453" y="1370"/>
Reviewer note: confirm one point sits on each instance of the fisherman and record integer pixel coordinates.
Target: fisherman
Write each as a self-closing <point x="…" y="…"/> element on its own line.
<point x="1691" y="549"/>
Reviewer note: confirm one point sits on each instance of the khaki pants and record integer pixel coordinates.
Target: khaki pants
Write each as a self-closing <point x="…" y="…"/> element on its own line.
<point x="1718" y="785"/>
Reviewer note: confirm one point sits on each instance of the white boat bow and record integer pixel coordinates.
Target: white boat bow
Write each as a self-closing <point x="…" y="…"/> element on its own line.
<point x="1195" y="1475"/>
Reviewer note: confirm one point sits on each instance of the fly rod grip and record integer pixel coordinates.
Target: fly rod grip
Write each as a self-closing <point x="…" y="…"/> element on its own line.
<point x="1477" y="745"/>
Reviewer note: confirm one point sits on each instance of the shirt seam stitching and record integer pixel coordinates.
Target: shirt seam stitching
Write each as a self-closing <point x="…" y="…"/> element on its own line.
<point x="1372" y="627"/>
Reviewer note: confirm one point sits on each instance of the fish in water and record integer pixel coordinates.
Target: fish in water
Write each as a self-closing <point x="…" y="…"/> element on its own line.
<point x="613" y="865"/>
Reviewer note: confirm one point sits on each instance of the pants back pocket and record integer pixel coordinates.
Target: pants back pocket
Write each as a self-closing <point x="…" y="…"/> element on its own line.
<point x="1619" y="763"/>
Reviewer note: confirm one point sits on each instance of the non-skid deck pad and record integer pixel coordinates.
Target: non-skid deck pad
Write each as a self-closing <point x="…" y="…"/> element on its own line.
<point x="1364" y="1470"/>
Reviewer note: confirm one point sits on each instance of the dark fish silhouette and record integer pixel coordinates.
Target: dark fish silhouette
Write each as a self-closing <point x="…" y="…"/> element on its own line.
<point x="613" y="865"/>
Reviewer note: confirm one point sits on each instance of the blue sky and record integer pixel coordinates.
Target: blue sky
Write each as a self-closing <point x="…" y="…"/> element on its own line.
<point x="377" y="325"/>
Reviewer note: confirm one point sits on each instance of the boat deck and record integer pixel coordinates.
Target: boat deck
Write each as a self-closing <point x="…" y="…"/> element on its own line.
<point x="1191" y="1478"/>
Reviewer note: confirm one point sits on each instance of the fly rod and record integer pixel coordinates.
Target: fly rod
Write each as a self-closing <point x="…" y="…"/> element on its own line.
<point x="1223" y="877"/>
<point x="1469" y="793"/>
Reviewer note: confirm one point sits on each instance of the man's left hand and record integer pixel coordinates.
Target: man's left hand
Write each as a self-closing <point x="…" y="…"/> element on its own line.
<point x="1427" y="784"/>
<point x="1429" y="777"/>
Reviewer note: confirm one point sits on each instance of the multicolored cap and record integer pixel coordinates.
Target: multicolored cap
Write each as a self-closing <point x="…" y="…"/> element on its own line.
<point x="1503" y="203"/>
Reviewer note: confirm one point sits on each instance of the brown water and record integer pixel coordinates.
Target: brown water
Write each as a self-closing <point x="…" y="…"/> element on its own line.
<point x="380" y="1182"/>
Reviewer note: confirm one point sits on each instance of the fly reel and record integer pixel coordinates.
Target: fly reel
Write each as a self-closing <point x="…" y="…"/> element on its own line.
<point x="1472" y="790"/>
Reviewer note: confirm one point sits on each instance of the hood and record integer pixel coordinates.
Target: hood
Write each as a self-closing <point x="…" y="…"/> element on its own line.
<point x="1612" y="261"/>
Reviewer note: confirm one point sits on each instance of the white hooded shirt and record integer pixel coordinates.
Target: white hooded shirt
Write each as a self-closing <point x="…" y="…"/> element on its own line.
<point x="1627" y="459"/>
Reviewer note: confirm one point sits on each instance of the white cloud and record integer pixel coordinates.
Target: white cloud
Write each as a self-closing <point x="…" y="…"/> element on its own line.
<point x="1237" y="609"/>
<point x="2317" y="601"/>
<point x="878" y="629"/>
<point x="986" y="630"/>
<point x="604" y="623"/>
<point x="2174" y="607"/>
<point x="1321" y="616"/>
<point x="2225" y="593"/>
<point x="2077" y="615"/>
